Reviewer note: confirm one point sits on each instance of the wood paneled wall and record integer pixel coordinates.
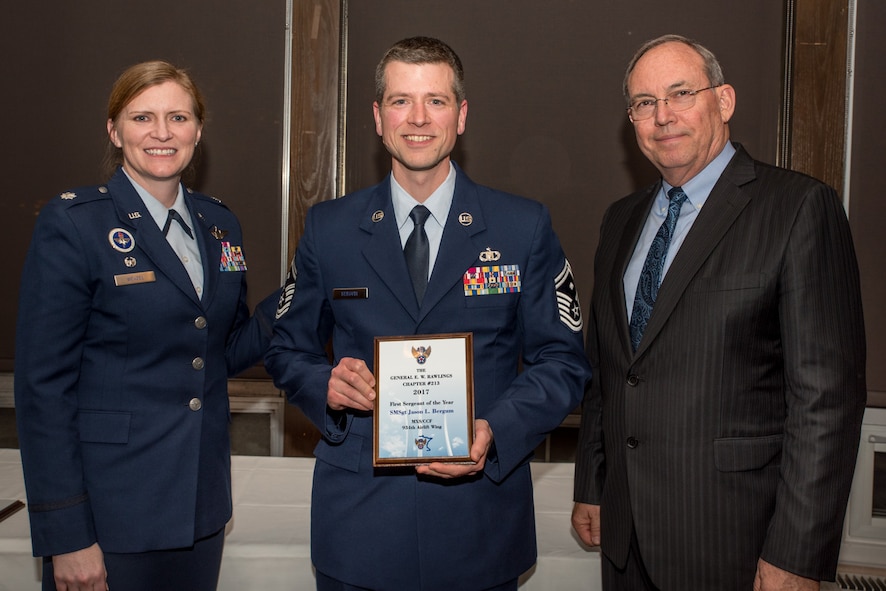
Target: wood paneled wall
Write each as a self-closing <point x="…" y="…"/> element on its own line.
<point x="318" y="84"/>
<point x="816" y="115"/>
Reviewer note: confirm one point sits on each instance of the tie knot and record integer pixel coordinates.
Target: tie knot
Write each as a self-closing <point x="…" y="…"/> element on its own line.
<point x="174" y="215"/>
<point x="676" y="195"/>
<point x="419" y="214"/>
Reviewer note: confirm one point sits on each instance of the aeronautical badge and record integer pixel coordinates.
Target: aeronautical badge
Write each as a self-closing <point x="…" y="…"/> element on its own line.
<point x="232" y="258"/>
<point x="421" y="354"/>
<point x="567" y="298"/>
<point x="288" y="292"/>
<point x="489" y="255"/>
<point x="67" y="195"/>
<point x="423" y="442"/>
<point x="217" y="233"/>
<point x="121" y="240"/>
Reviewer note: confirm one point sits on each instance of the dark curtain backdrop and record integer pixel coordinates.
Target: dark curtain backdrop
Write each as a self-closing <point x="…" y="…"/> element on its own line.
<point x="59" y="62"/>
<point x="867" y="207"/>
<point x="546" y="117"/>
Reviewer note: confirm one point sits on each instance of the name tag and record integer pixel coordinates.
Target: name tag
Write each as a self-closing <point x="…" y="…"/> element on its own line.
<point x="350" y="293"/>
<point x="133" y="278"/>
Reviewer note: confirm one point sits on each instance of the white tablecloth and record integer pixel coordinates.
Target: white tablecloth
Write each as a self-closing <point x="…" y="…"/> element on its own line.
<point x="19" y="571"/>
<point x="267" y="546"/>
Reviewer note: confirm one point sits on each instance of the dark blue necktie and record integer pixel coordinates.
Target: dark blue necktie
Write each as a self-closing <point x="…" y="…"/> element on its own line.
<point x="173" y="215"/>
<point x="650" y="276"/>
<point x="418" y="251"/>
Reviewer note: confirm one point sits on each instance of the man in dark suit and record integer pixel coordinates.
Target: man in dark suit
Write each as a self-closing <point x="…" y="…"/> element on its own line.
<point x="719" y="435"/>
<point x="440" y="526"/>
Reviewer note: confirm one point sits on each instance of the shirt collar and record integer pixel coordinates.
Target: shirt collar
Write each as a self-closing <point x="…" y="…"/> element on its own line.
<point x="159" y="211"/>
<point x="700" y="186"/>
<point x="438" y="203"/>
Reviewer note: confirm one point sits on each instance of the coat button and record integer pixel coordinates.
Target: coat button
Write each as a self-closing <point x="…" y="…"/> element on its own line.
<point x="197" y="363"/>
<point x="632" y="442"/>
<point x="200" y="322"/>
<point x="633" y="380"/>
<point x="195" y="404"/>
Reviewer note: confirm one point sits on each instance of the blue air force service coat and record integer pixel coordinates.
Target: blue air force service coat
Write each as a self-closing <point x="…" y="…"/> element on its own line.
<point x="121" y="373"/>
<point x="388" y="528"/>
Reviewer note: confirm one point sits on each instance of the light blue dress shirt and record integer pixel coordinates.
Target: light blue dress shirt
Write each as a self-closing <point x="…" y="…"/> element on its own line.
<point x="697" y="191"/>
<point x="438" y="204"/>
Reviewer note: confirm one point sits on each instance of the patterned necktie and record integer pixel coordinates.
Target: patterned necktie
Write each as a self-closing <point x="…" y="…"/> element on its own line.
<point x="650" y="276"/>
<point x="418" y="251"/>
<point x="173" y="215"/>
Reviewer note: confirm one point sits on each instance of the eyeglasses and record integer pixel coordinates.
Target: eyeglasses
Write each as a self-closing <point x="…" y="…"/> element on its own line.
<point x="678" y="100"/>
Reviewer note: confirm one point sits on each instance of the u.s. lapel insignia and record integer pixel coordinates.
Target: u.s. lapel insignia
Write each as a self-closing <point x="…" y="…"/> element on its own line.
<point x="134" y="215"/>
<point x="378" y="216"/>
<point x="129" y="262"/>
<point x="68" y="195"/>
<point x="489" y="255"/>
<point x="121" y="240"/>
<point x="217" y="233"/>
<point x="465" y="219"/>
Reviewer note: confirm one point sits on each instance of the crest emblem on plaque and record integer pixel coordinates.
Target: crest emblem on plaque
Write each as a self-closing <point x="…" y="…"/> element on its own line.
<point x="421" y="354"/>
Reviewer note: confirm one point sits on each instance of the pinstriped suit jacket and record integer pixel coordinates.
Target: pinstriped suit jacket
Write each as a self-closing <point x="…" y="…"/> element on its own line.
<point x="731" y="434"/>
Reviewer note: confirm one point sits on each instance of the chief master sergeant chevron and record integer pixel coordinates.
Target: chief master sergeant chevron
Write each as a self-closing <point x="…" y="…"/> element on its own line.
<point x="438" y="526"/>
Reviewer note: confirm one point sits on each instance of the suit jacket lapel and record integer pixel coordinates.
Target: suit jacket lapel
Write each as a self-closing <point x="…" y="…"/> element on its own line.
<point x="383" y="250"/>
<point x="457" y="250"/>
<point x="722" y="208"/>
<point x="632" y="227"/>
<point x="210" y="249"/>
<point x="148" y="236"/>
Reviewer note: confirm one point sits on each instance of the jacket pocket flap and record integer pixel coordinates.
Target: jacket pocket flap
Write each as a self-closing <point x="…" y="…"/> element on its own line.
<point x="345" y="455"/>
<point x="737" y="454"/>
